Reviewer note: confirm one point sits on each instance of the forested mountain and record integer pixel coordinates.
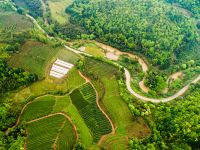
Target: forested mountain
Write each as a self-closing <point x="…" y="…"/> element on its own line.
<point x="153" y="28"/>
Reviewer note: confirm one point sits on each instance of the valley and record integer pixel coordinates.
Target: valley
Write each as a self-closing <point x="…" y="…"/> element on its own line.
<point x="116" y="95"/>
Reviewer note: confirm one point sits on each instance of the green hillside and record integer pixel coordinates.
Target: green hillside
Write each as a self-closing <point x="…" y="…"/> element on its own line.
<point x="152" y="28"/>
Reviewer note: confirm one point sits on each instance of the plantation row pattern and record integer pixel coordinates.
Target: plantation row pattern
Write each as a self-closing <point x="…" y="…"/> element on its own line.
<point x="98" y="124"/>
<point x="43" y="133"/>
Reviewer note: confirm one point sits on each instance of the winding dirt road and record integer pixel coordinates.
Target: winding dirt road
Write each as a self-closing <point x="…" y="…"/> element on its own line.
<point x="164" y="100"/>
<point x="127" y="73"/>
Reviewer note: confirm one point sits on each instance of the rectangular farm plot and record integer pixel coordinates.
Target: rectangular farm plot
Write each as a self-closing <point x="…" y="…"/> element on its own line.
<point x="60" y="68"/>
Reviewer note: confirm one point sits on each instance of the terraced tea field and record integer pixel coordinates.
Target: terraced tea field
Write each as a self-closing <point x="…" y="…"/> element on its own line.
<point x="84" y="99"/>
<point x="112" y="102"/>
<point x="54" y="132"/>
<point x="40" y="107"/>
<point x="47" y="126"/>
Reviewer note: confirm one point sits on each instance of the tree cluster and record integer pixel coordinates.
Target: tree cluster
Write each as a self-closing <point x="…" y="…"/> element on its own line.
<point x="155" y="81"/>
<point x="153" y="28"/>
<point x="11" y="79"/>
<point x="191" y="5"/>
<point x="175" y="126"/>
<point x="35" y="8"/>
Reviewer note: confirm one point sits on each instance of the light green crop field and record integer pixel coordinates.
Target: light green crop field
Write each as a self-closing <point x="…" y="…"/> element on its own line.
<point x="68" y="56"/>
<point x="11" y="21"/>
<point x="64" y="104"/>
<point x="93" y="49"/>
<point x="54" y="132"/>
<point x="112" y="101"/>
<point x="89" y="47"/>
<point x="34" y="57"/>
<point x="57" y="8"/>
<point x="40" y="107"/>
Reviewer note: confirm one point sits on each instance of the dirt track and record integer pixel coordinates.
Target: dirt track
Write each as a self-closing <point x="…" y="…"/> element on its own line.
<point x="164" y="100"/>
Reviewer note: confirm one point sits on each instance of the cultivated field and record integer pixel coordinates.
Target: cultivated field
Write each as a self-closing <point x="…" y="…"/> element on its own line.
<point x="11" y="24"/>
<point x="85" y="136"/>
<point x="88" y="47"/>
<point x="112" y="101"/>
<point x="14" y="22"/>
<point x="40" y="107"/>
<point x="84" y="99"/>
<point x="54" y="132"/>
<point x="57" y="9"/>
<point x="47" y="125"/>
<point x="34" y="57"/>
<point x="68" y="56"/>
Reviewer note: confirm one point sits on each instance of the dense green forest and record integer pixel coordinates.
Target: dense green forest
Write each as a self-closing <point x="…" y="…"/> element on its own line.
<point x="176" y="126"/>
<point x="192" y="5"/>
<point x="34" y="7"/>
<point x="152" y="28"/>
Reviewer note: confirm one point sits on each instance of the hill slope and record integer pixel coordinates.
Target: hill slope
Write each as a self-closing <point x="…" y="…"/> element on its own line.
<point x="152" y="28"/>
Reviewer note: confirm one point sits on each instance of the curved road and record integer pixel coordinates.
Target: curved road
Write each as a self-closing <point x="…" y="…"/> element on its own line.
<point x="128" y="76"/>
<point x="164" y="100"/>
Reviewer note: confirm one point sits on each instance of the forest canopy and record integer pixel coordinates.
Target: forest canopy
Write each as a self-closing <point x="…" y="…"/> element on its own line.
<point x="153" y="28"/>
<point x="191" y="5"/>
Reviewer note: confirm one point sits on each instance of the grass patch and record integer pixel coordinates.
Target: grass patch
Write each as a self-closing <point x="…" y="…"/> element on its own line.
<point x="41" y="107"/>
<point x="89" y="47"/>
<point x="34" y="57"/>
<point x="48" y="86"/>
<point x="43" y="133"/>
<point x="94" y="50"/>
<point x="57" y="9"/>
